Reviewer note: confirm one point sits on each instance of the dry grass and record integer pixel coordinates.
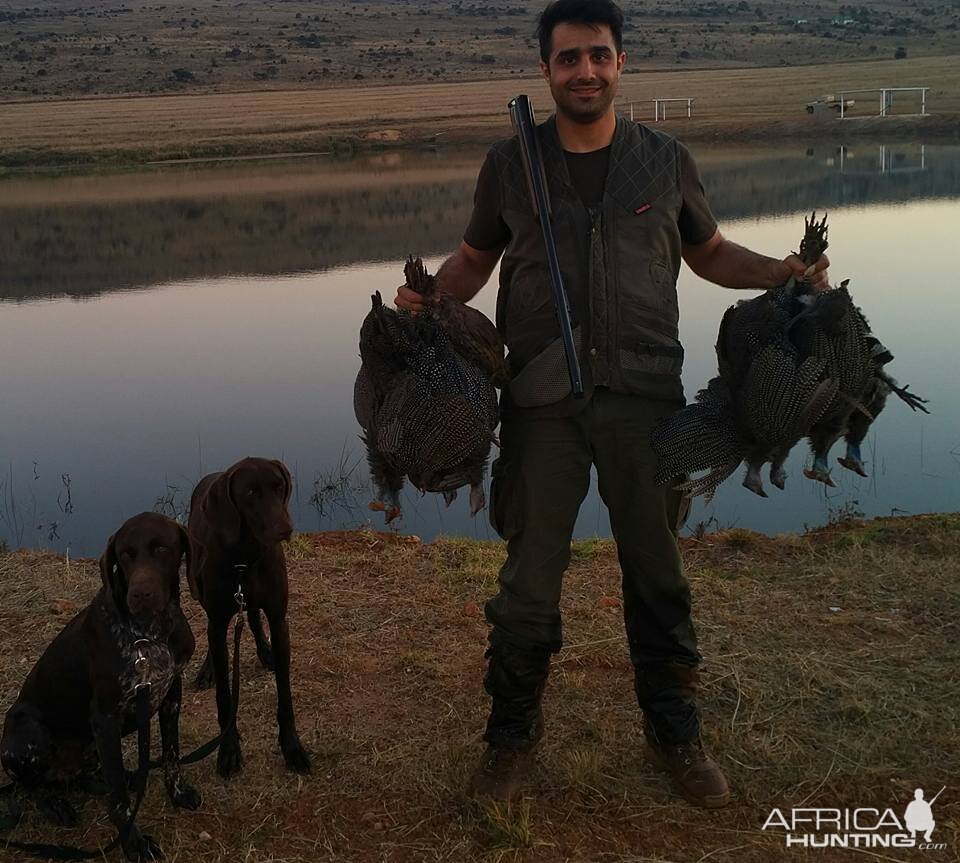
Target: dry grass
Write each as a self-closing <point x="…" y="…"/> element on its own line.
<point x="731" y="104"/>
<point x="829" y="679"/>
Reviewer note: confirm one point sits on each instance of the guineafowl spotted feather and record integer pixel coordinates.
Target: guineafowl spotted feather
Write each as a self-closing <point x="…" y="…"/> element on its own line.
<point x="424" y="395"/>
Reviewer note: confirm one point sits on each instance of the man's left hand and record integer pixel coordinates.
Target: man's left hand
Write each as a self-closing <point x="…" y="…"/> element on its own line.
<point x="815" y="275"/>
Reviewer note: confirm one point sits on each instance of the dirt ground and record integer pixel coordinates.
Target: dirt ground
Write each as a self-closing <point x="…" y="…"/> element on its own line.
<point x="730" y="104"/>
<point x="829" y="680"/>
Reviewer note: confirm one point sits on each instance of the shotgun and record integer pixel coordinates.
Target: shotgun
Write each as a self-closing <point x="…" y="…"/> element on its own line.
<point x="521" y="116"/>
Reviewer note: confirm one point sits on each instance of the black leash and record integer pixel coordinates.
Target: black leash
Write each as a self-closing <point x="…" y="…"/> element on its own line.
<point x="67" y="852"/>
<point x="211" y="746"/>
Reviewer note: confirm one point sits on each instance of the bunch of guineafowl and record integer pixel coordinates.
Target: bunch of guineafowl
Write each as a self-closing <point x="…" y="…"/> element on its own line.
<point x="791" y="364"/>
<point x="425" y="394"/>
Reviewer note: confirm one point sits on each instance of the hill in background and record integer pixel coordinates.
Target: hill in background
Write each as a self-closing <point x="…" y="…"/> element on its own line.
<point x="64" y="48"/>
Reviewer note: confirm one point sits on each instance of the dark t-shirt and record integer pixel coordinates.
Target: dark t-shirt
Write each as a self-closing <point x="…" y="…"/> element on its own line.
<point x="588" y="173"/>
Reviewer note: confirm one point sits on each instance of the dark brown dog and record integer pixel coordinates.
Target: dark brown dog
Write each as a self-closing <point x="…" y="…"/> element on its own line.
<point x="238" y="519"/>
<point x="80" y="696"/>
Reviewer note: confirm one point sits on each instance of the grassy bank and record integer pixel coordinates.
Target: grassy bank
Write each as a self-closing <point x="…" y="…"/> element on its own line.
<point x="730" y="105"/>
<point x="829" y="679"/>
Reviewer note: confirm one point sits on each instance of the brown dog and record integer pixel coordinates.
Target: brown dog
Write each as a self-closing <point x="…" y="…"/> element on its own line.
<point x="79" y="699"/>
<point x="238" y="519"/>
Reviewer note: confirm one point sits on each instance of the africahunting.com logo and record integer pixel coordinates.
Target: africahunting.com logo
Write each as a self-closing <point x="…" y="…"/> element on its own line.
<point x="864" y="827"/>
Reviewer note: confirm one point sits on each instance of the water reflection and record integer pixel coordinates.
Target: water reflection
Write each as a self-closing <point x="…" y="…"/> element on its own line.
<point x="86" y="236"/>
<point x="882" y="160"/>
<point x="120" y="403"/>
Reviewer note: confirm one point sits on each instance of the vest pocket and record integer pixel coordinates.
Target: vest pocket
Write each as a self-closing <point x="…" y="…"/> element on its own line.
<point x="665" y="287"/>
<point x="544" y="380"/>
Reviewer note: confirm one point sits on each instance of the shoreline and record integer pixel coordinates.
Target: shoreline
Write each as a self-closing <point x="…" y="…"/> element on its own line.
<point x="932" y="129"/>
<point x="730" y="106"/>
<point x="692" y="544"/>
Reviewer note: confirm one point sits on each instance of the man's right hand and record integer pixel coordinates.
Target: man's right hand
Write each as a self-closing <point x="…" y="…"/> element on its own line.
<point x="461" y="276"/>
<point x="409" y="300"/>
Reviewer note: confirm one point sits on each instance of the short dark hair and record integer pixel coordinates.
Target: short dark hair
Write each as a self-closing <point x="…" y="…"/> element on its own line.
<point x="595" y="12"/>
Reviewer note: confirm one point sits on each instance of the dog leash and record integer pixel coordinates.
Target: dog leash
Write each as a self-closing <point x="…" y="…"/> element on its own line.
<point x="211" y="746"/>
<point x="67" y="852"/>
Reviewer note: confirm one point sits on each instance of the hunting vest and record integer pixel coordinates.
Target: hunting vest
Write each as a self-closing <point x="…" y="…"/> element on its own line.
<point x="619" y="263"/>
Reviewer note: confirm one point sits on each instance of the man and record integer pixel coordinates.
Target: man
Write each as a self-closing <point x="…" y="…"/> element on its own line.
<point x="627" y="203"/>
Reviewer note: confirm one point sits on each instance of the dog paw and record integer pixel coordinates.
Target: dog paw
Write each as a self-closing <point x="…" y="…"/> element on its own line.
<point x="229" y="758"/>
<point x="10" y="813"/>
<point x="140" y="847"/>
<point x="185" y="796"/>
<point x="58" y="811"/>
<point x="296" y="757"/>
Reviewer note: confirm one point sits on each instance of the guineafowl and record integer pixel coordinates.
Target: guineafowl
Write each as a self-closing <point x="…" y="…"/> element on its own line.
<point x="425" y="394"/>
<point x="791" y="364"/>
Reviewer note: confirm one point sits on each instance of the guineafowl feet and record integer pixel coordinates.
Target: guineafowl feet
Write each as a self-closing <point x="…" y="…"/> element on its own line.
<point x="778" y="476"/>
<point x="852" y="460"/>
<point x="478" y="499"/>
<point x="913" y="401"/>
<point x="855" y="465"/>
<point x="389" y="510"/>
<point x="819" y="472"/>
<point x="753" y="482"/>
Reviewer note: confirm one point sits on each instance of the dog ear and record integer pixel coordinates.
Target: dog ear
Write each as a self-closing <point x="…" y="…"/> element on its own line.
<point x="287" y="479"/>
<point x="186" y="549"/>
<point x="112" y="575"/>
<point x="220" y="509"/>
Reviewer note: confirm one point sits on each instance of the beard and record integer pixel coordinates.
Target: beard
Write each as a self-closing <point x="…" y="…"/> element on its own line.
<point x="580" y="111"/>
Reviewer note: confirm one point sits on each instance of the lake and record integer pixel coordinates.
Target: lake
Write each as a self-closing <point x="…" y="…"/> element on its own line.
<point x="159" y="325"/>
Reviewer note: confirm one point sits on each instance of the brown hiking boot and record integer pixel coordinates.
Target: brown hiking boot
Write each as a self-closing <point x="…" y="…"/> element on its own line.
<point x="501" y="772"/>
<point x="695" y="774"/>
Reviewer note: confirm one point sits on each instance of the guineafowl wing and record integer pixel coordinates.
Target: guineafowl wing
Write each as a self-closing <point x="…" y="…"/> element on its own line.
<point x="700" y="436"/>
<point x="364" y="398"/>
<point x="745" y="330"/>
<point x="473" y="336"/>
<point x="778" y="395"/>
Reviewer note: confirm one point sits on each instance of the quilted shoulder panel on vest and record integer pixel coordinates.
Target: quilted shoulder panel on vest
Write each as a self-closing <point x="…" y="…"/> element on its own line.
<point x="644" y="167"/>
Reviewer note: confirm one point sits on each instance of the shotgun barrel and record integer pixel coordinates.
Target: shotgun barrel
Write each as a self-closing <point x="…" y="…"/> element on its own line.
<point x="521" y="115"/>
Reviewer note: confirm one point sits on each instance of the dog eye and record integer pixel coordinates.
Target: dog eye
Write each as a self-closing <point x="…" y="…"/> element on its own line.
<point x="161" y="549"/>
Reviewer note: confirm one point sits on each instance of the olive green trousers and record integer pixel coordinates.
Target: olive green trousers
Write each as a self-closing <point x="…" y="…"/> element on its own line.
<point x="539" y="482"/>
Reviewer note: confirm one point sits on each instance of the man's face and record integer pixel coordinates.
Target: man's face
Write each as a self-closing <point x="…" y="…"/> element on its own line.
<point x="583" y="70"/>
